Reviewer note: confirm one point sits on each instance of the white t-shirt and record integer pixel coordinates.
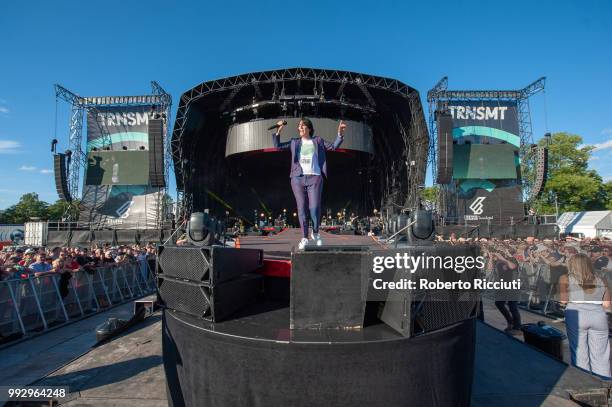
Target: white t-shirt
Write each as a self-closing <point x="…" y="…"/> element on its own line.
<point x="308" y="158"/>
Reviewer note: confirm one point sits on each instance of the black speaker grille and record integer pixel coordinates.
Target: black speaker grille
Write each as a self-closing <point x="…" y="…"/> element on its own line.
<point x="445" y="147"/>
<point x="191" y="263"/>
<point x="156" y="153"/>
<point x="191" y="299"/>
<point x="61" y="175"/>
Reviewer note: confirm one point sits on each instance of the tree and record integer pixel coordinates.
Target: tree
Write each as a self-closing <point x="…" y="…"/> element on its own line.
<point x="570" y="182"/>
<point x="29" y="206"/>
<point x="62" y="209"/>
<point x="430" y="196"/>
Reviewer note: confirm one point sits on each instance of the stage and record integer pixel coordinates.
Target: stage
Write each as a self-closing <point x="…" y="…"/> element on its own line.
<point x="280" y="246"/>
<point x="128" y="371"/>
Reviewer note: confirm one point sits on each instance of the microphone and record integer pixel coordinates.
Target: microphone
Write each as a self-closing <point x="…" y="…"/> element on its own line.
<point x="276" y="126"/>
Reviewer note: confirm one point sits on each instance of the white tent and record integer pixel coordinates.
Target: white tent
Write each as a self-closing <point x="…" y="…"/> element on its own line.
<point x="586" y="224"/>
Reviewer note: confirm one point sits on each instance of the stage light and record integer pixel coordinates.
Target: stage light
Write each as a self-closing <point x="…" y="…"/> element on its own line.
<point x="294" y="214"/>
<point x="124" y="148"/>
<point x="262" y="215"/>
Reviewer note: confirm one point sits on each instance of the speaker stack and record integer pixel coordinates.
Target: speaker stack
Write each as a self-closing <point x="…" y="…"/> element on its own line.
<point x="156" y="153"/>
<point x="445" y="147"/>
<point x="541" y="172"/>
<point x="210" y="282"/>
<point x="61" y="176"/>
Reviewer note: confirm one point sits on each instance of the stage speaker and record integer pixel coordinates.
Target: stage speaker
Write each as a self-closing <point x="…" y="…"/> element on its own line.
<point x="208" y="265"/>
<point x="424" y="309"/>
<point x="326" y="289"/>
<point x="541" y="172"/>
<point x="156" y="153"/>
<point x="445" y="147"/>
<point x="61" y="176"/>
<point x="214" y="304"/>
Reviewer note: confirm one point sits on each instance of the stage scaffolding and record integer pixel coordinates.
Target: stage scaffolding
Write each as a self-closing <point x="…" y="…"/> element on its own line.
<point x="159" y="98"/>
<point x="438" y="98"/>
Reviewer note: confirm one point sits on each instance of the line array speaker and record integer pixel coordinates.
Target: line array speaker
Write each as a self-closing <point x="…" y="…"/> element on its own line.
<point x="156" y="153"/>
<point x="61" y="176"/>
<point x="541" y="172"/>
<point x="445" y="147"/>
<point x="209" y="265"/>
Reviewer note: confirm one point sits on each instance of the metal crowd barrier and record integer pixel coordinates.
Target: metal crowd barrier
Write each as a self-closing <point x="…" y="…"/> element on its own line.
<point x="539" y="288"/>
<point x="36" y="304"/>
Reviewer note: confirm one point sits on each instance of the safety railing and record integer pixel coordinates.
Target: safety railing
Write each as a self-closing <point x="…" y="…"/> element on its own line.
<point x="33" y="305"/>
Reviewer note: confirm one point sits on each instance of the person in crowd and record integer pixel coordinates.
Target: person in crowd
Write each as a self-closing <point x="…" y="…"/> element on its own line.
<point x="506" y="302"/>
<point x="586" y="296"/>
<point x="40" y="265"/>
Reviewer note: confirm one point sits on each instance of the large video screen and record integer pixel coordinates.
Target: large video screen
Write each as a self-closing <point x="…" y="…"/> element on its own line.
<point x="485" y="161"/>
<point x="117" y="168"/>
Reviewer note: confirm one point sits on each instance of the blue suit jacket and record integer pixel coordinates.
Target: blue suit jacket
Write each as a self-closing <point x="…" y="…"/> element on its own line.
<point x="295" y="144"/>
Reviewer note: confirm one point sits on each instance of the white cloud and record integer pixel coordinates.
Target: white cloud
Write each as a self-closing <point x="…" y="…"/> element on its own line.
<point x="602" y="146"/>
<point x="607" y="178"/>
<point x="9" y="146"/>
<point x="607" y="132"/>
<point x="593" y="158"/>
<point x="4" y="110"/>
<point x="27" y="168"/>
<point x="46" y="171"/>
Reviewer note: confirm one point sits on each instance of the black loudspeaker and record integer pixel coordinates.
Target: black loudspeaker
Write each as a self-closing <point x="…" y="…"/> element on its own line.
<point x="156" y="153"/>
<point x="326" y="289"/>
<point x="61" y="176"/>
<point x="208" y="265"/>
<point x="445" y="147"/>
<point x="541" y="172"/>
<point x="212" y="304"/>
<point x="421" y="310"/>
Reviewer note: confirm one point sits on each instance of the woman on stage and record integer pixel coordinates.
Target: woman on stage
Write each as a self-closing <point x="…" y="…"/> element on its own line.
<point x="308" y="167"/>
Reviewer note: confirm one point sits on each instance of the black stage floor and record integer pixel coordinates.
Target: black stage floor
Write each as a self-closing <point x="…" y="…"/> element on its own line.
<point x="281" y="245"/>
<point x="128" y="371"/>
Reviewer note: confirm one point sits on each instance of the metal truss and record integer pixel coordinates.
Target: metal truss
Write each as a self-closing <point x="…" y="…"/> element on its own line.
<point x="365" y="83"/>
<point x="77" y="159"/>
<point x="79" y="105"/>
<point x="439" y="96"/>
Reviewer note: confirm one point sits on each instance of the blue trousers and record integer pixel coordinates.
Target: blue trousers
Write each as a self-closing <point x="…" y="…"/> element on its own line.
<point x="307" y="190"/>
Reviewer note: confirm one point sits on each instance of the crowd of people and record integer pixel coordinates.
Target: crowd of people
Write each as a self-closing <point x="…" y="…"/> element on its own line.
<point x="570" y="276"/>
<point x="26" y="262"/>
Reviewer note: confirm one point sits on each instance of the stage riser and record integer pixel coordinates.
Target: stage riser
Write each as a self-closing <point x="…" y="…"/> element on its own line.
<point x="205" y="368"/>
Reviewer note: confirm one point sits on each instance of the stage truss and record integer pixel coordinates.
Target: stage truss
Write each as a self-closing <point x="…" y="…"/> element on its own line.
<point x="80" y="105"/>
<point x="438" y="98"/>
<point x="329" y="88"/>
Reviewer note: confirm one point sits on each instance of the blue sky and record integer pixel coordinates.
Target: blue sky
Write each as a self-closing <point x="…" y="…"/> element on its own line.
<point x="117" y="47"/>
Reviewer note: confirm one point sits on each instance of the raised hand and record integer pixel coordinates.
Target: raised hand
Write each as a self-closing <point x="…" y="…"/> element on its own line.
<point x="341" y="127"/>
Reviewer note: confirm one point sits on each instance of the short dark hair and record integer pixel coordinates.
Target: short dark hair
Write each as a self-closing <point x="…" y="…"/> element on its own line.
<point x="308" y="124"/>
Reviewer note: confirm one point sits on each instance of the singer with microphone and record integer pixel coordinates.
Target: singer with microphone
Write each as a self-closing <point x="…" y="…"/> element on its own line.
<point x="308" y="167"/>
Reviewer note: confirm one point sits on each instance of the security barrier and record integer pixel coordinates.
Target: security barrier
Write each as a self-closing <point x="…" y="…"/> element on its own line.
<point x="36" y="304"/>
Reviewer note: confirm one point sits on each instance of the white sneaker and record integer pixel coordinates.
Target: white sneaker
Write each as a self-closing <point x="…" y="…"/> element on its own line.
<point x="317" y="238"/>
<point x="303" y="243"/>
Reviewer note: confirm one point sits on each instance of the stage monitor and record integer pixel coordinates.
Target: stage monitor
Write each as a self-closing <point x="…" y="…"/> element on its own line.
<point x="117" y="168"/>
<point x="488" y="161"/>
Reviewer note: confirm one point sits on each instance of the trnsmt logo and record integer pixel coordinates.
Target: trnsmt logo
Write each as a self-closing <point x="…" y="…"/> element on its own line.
<point x="123" y="119"/>
<point x="477" y="206"/>
<point x="478" y="112"/>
